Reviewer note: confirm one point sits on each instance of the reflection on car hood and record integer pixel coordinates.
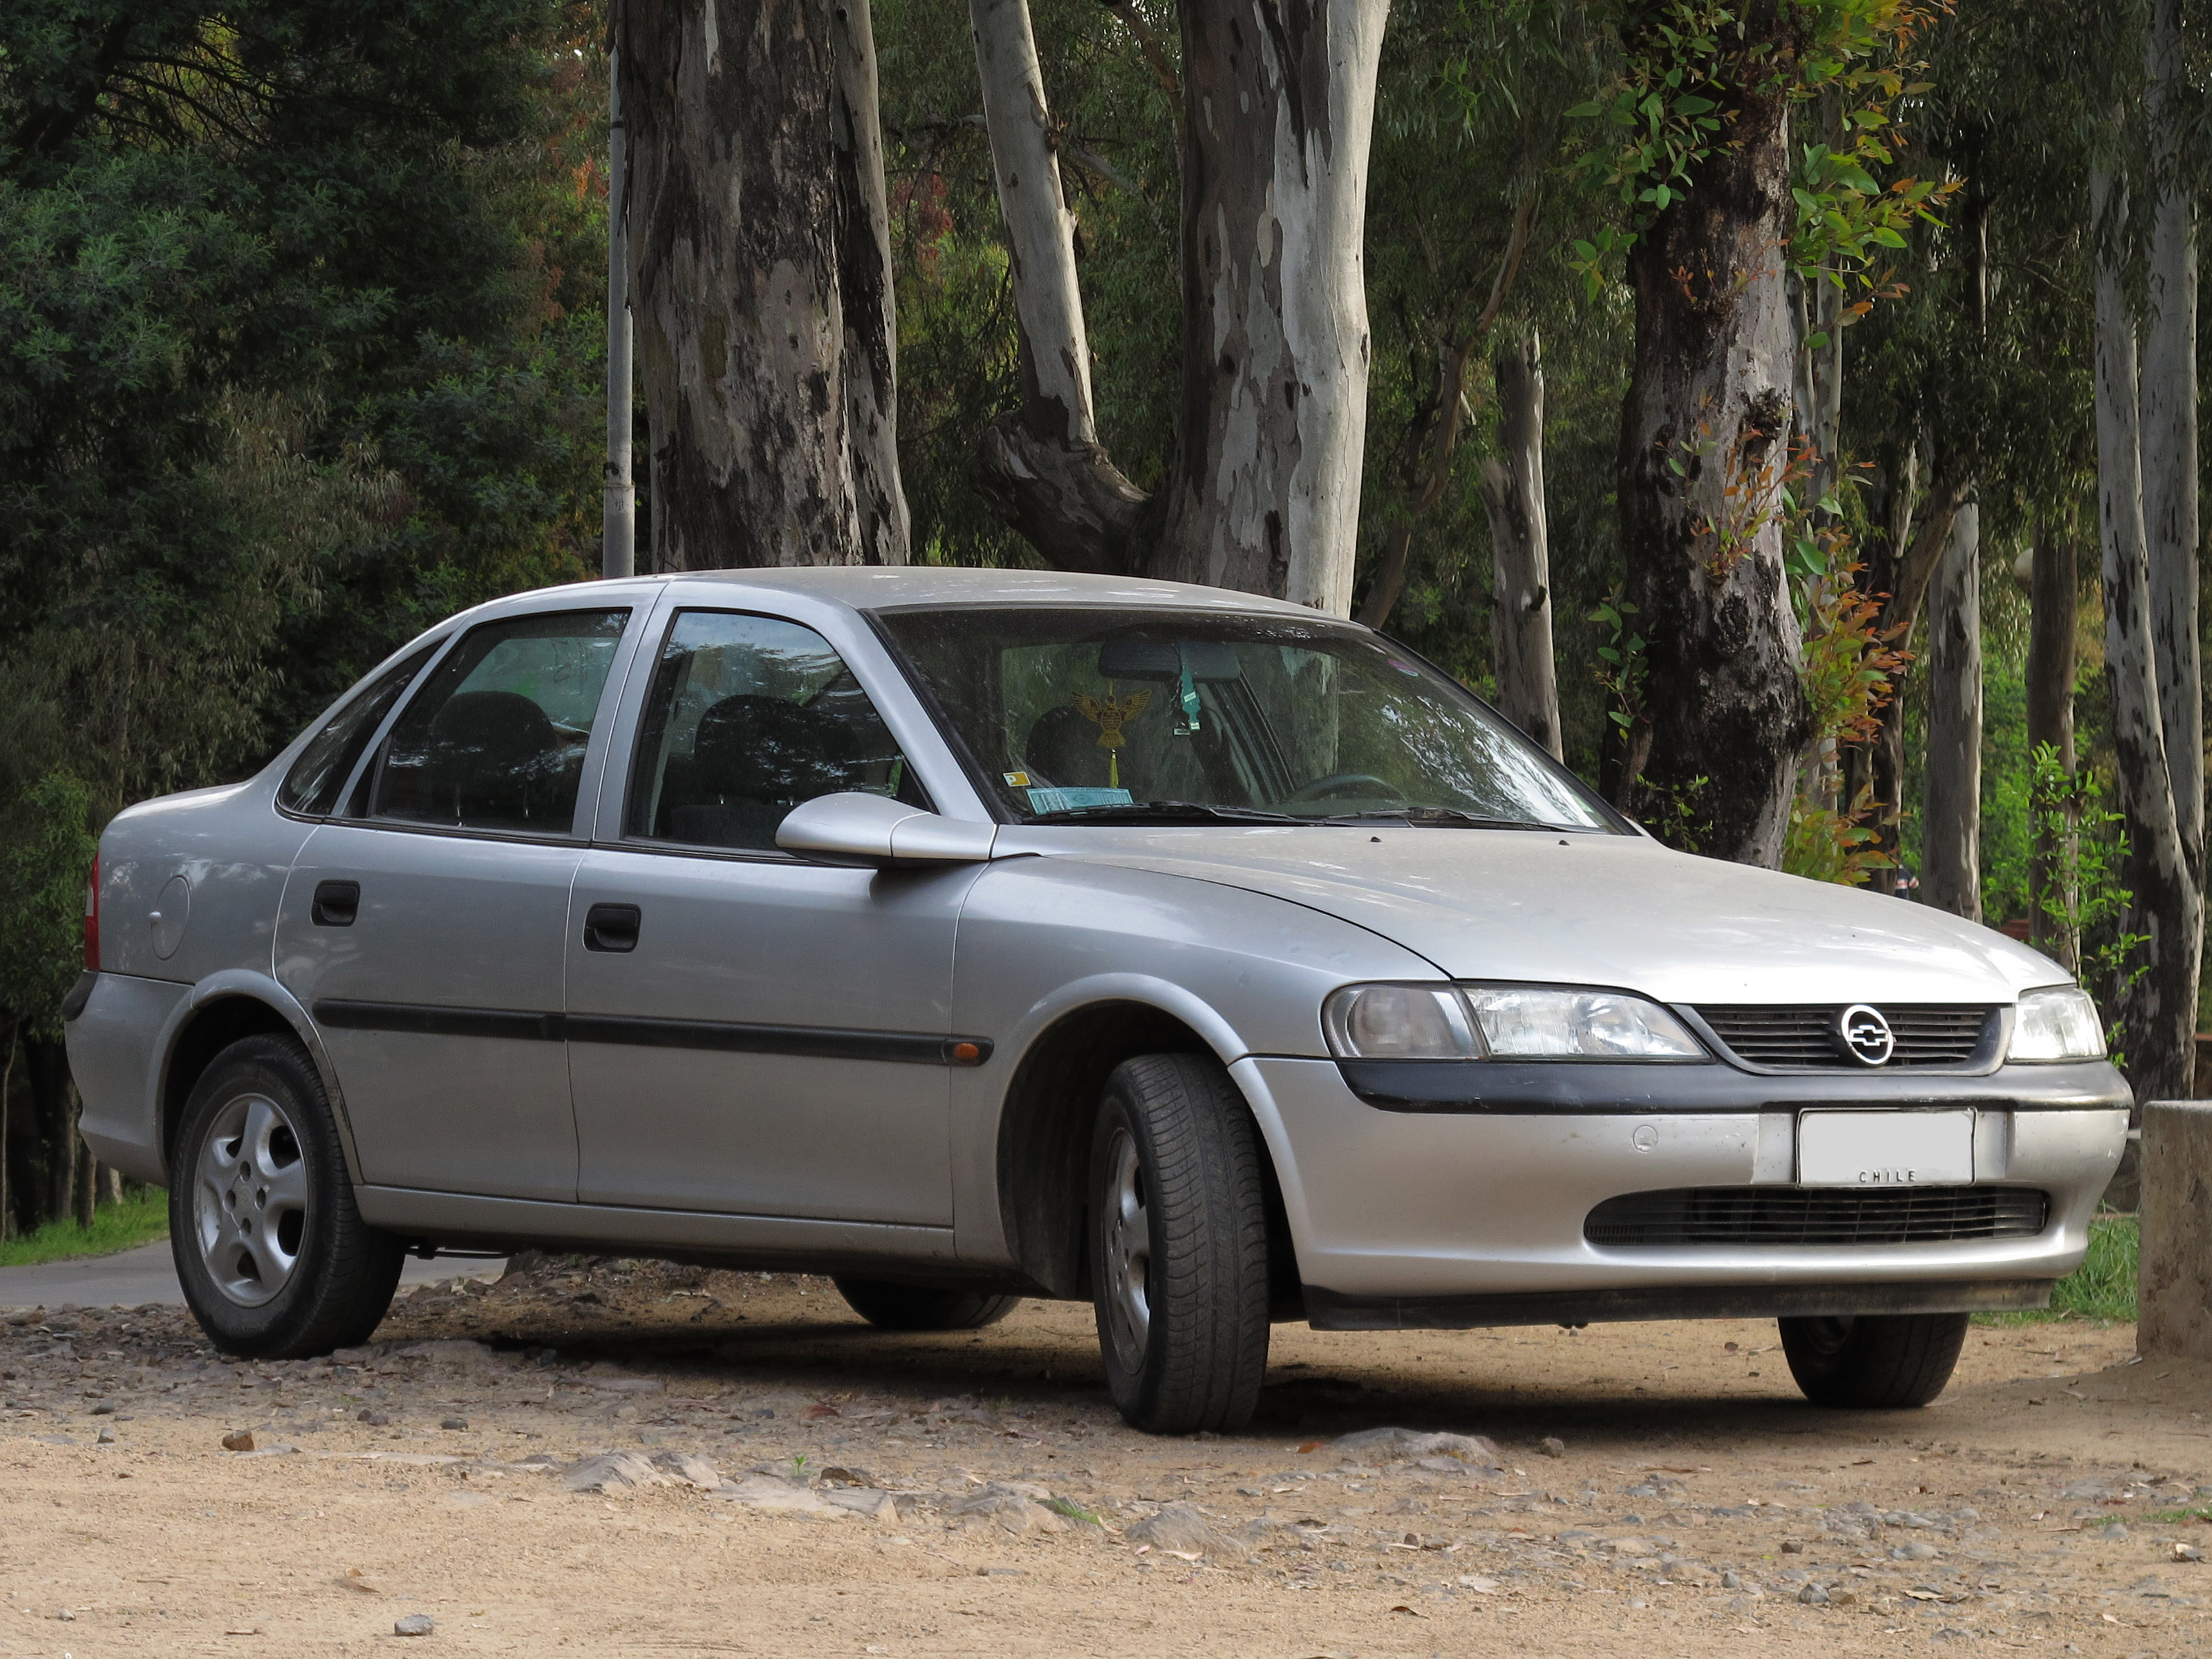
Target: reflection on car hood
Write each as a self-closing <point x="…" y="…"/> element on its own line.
<point x="1588" y="910"/>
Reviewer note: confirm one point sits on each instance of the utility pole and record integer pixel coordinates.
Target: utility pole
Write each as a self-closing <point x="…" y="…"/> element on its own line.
<point x="619" y="557"/>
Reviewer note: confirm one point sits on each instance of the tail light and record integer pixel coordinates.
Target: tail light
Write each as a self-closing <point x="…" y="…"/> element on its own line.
<point x="91" y="918"/>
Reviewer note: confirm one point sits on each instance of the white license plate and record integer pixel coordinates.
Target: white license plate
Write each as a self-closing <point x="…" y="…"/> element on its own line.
<point x="1885" y="1149"/>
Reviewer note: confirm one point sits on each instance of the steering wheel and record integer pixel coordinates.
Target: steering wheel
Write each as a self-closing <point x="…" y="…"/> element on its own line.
<point x="1346" y="783"/>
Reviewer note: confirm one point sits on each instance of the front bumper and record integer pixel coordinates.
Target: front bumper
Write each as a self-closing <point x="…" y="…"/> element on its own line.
<point x="1399" y="1213"/>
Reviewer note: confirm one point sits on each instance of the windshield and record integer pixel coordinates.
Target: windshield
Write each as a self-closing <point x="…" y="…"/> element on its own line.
<point x="1074" y="716"/>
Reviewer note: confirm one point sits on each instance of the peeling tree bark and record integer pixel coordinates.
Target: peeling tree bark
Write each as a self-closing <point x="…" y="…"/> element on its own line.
<point x="1520" y="541"/>
<point x="1704" y="432"/>
<point x="761" y="282"/>
<point x="1951" y="865"/>
<point x="1278" y="107"/>
<point x="2054" y="599"/>
<point x="1262" y="493"/>
<point x="2148" y="512"/>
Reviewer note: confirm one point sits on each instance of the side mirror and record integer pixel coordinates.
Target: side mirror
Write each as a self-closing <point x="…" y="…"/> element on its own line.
<point x="881" y="831"/>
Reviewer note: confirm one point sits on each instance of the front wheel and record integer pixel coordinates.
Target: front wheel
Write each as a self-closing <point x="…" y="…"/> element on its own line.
<point x="1874" y="1362"/>
<point x="1178" y="1228"/>
<point x="274" y="1260"/>
<point x="923" y="1307"/>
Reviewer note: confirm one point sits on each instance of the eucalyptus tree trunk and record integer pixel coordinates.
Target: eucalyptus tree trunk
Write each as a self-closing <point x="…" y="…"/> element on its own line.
<point x="2148" y="511"/>
<point x="1951" y="838"/>
<point x="1704" y="436"/>
<point x="1042" y="466"/>
<point x="2163" y="869"/>
<point x="1262" y="493"/>
<point x="1520" y="542"/>
<point x="2054" y="600"/>
<point x="761" y="282"/>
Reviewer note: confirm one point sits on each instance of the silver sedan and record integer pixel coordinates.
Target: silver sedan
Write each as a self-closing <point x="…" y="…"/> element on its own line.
<point x="973" y="935"/>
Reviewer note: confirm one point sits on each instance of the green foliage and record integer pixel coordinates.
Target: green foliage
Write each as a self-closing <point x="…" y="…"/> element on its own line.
<point x="300" y="326"/>
<point x="140" y="1218"/>
<point x="2085" y="896"/>
<point x="2103" y="1287"/>
<point x="1686" y="68"/>
<point x="43" y="864"/>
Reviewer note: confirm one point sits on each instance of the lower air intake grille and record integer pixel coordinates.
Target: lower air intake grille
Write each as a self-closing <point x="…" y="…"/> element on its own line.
<point x="1804" y="1037"/>
<point x="1807" y="1215"/>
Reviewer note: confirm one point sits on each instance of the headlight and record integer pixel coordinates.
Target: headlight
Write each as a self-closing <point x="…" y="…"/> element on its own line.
<point x="1444" y="1022"/>
<point x="1538" y="1024"/>
<point x="2058" y="1022"/>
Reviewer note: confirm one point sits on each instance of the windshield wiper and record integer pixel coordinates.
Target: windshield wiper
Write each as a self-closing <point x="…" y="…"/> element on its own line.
<point x="1165" y="811"/>
<point x="1429" y="816"/>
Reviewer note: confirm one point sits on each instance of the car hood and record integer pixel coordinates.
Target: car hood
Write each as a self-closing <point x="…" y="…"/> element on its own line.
<point x="1591" y="909"/>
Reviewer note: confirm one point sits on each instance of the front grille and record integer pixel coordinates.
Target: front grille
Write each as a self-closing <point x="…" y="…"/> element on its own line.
<point x="1809" y="1215"/>
<point x="1803" y="1037"/>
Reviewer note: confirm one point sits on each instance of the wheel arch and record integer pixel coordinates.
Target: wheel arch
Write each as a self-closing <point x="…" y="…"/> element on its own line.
<point x="1045" y="1124"/>
<point x="221" y="1010"/>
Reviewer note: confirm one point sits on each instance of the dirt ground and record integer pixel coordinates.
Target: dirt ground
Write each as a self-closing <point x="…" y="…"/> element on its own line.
<point x="798" y="1484"/>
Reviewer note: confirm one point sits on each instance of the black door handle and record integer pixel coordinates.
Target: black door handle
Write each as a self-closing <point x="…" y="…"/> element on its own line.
<point x="336" y="903"/>
<point x="611" y="927"/>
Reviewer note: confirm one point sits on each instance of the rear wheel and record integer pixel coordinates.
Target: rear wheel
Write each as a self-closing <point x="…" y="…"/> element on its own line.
<point x="1874" y="1362"/>
<point x="274" y="1260"/>
<point x="922" y="1307"/>
<point x="1179" y="1246"/>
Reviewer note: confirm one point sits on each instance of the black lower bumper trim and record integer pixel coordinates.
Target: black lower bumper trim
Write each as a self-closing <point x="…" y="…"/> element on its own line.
<point x="1617" y="1086"/>
<point x="1328" y="1311"/>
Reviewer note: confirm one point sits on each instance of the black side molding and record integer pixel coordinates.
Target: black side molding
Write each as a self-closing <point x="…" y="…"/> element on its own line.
<point x="717" y="1037"/>
<point x="1329" y="1311"/>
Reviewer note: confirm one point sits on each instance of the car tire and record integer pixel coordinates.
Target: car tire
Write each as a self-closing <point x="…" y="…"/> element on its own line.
<point x="1874" y="1362"/>
<point x="273" y="1255"/>
<point x="923" y="1307"/>
<point x="1178" y="1246"/>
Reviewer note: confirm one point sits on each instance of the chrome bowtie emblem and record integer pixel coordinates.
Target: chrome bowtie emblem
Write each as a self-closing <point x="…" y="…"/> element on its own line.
<point x="1867" y="1037"/>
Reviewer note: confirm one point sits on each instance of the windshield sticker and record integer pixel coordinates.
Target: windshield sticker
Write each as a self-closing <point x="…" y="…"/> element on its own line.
<point x="1066" y="800"/>
<point x="1017" y="780"/>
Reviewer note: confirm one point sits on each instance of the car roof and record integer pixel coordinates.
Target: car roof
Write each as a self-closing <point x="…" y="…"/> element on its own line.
<point x="878" y="588"/>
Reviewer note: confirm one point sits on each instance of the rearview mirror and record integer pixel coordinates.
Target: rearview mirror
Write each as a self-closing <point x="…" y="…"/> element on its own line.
<point x="881" y="831"/>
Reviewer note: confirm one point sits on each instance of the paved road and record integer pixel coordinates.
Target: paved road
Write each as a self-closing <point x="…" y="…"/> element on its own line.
<point x="131" y="1278"/>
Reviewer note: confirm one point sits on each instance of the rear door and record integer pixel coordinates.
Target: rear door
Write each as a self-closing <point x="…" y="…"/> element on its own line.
<point x="750" y="1033"/>
<point x="423" y="930"/>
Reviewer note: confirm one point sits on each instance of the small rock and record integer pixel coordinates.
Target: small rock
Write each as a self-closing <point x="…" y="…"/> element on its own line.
<point x="1915" y="1551"/>
<point x="2187" y="1552"/>
<point x="454" y="1423"/>
<point x="1813" y="1594"/>
<point x="690" y="1469"/>
<point x="106" y="1436"/>
<point x="1182" y="1528"/>
<point x="105" y="1409"/>
<point x="768" y="1492"/>
<point x="1018" y="1513"/>
<point x="1552" y="1446"/>
<point x="1731" y="1579"/>
<point x="374" y="1418"/>
<point x="2116" y="1532"/>
<point x="414" y="1624"/>
<point x="1409" y="1443"/>
<point x="612" y="1472"/>
<point x="1793" y="1547"/>
<point x="239" y="1440"/>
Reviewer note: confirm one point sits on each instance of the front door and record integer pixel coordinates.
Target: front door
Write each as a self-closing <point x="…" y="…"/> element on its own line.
<point x="749" y="1033"/>
<point x="424" y="932"/>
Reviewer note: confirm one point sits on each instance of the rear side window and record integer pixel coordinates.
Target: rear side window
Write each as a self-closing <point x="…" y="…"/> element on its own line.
<point x="748" y="717"/>
<point x="495" y="738"/>
<point x="311" y="787"/>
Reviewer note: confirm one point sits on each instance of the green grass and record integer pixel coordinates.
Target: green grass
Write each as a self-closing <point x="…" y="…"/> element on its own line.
<point x="2102" y="1287"/>
<point x="140" y="1218"/>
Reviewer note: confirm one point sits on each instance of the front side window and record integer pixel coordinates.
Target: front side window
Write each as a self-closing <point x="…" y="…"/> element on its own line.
<point x="1070" y="715"/>
<point x="311" y="787"/>
<point x="748" y="716"/>
<point x="495" y="738"/>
